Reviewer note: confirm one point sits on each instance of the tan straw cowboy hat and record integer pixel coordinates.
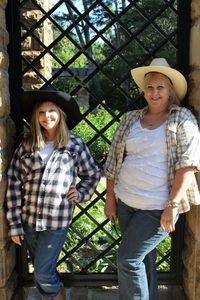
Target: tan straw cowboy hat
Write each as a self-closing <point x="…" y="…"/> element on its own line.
<point x="160" y="65"/>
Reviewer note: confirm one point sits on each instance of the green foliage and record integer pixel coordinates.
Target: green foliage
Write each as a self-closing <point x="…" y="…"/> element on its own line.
<point x="99" y="118"/>
<point x="163" y="249"/>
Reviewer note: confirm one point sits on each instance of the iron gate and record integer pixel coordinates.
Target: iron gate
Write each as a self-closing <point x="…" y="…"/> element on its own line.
<point x="94" y="46"/>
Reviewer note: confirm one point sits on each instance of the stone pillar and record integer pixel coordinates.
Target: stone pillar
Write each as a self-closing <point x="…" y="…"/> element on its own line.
<point x="31" y="48"/>
<point x="191" y="251"/>
<point x="8" y="277"/>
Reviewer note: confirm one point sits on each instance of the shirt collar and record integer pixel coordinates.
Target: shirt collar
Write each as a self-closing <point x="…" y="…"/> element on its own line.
<point x="141" y="112"/>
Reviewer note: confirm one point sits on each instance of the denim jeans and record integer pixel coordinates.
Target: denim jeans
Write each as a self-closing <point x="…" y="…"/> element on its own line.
<point x="141" y="233"/>
<point x="44" y="248"/>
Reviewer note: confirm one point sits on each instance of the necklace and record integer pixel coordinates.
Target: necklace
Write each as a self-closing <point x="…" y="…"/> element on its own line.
<point x="153" y="121"/>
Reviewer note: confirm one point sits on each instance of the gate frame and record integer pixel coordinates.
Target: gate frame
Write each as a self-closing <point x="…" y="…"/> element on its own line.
<point x="15" y="87"/>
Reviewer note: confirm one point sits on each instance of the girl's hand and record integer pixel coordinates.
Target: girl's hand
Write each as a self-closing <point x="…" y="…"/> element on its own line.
<point x="73" y="195"/>
<point x="17" y="239"/>
<point x="168" y="219"/>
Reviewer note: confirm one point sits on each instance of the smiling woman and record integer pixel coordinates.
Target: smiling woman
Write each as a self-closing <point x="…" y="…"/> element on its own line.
<point x="161" y="143"/>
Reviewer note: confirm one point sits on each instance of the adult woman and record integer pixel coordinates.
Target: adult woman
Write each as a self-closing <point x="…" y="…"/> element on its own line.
<point x="150" y="170"/>
<point x="42" y="189"/>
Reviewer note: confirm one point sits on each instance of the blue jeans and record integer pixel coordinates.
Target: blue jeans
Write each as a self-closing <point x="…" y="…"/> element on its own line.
<point x="141" y="233"/>
<point x="44" y="248"/>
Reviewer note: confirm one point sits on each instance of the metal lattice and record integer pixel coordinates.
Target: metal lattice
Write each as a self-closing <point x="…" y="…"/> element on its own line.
<point x="94" y="46"/>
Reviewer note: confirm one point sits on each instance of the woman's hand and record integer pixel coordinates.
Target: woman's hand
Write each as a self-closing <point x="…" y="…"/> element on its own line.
<point x="72" y="194"/>
<point x="168" y="219"/>
<point x="110" y="208"/>
<point x="17" y="239"/>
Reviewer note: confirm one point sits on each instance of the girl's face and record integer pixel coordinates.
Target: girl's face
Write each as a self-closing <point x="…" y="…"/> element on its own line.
<point x="157" y="91"/>
<point x="48" y="116"/>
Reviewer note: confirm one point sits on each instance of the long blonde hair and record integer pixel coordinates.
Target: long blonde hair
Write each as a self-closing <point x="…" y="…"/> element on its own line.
<point x="36" y="137"/>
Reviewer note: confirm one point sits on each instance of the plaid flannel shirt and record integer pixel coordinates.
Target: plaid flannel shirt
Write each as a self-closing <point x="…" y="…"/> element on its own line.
<point x="36" y="192"/>
<point x="183" y="148"/>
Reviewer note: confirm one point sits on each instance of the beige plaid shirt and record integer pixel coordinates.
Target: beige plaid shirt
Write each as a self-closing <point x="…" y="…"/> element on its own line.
<point x="183" y="148"/>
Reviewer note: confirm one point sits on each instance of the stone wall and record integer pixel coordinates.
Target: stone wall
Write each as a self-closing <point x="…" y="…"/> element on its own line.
<point x="191" y="252"/>
<point x="8" y="277"/>
<point x="31" y="48"/>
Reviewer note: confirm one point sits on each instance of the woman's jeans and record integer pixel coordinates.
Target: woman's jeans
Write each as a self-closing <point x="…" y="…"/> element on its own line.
<point x="44" y="247"/>
<point x="141" y="233"/>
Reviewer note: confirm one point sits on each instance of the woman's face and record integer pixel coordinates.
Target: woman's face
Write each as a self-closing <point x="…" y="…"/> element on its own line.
<point x="48" y="116"/>
<point x="157" y="91"/>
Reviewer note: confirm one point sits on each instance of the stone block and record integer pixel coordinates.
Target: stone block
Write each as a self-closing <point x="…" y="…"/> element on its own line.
<point x="3" y="3"/>
<point x="4" y="160"/>
<point x="4" y="38"/>
<point x="2" y="17"/>
<point x="3" y="60"/>
<point x="193" y="222"/>
<point x="194" y="89"/>
<point x="10" y="289"/>
<point x="191" y="261"/>
<point x="31" y="78"/>
<point x="4" y="94"/>
<point x="7" y="262"/>
<point x="194" y="46"/>
<point x="3" y="186"/>
<point x="26" y="44"/>
<point x="195" y="10"/>
<point x="4" y="238"/>
<point x="46" y="5"/>
<point x="6" y="132"/>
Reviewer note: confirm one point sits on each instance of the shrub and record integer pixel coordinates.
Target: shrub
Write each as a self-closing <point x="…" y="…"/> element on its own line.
<point x="100" y="146"/>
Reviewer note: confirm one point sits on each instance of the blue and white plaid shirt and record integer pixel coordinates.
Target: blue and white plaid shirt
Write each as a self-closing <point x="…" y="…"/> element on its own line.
<point x="183" y="148"/>
<point x="37" y="192"/>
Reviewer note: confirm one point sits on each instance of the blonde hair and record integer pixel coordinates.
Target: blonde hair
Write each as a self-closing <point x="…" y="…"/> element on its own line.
<point x="173" y="99"/>
<point x="36" y="137"/>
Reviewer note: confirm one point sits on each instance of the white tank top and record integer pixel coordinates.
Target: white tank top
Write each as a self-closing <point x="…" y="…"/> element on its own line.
<point x="143" y="180"/>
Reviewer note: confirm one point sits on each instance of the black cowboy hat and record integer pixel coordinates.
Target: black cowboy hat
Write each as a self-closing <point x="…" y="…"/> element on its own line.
<point x="63" y="100"/>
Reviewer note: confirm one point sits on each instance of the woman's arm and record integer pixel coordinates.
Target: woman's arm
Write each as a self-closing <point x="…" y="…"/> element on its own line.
<point x="182" y="181"/>
<point x="111" y="205"/>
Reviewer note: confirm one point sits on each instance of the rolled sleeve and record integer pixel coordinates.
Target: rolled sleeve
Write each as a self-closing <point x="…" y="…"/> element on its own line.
<point x="188" y="145"/>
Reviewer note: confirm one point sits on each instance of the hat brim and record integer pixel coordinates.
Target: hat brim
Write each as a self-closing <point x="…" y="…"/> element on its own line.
<point x="63" y="100"/>
<point x="177" y="79"/>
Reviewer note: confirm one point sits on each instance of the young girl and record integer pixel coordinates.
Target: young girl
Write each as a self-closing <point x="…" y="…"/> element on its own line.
<point x="42" y="189"/>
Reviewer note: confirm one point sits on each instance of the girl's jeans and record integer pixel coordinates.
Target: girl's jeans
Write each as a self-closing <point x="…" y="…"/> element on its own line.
<point x="141" y="233"/>
<point x="44" y="247"/>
